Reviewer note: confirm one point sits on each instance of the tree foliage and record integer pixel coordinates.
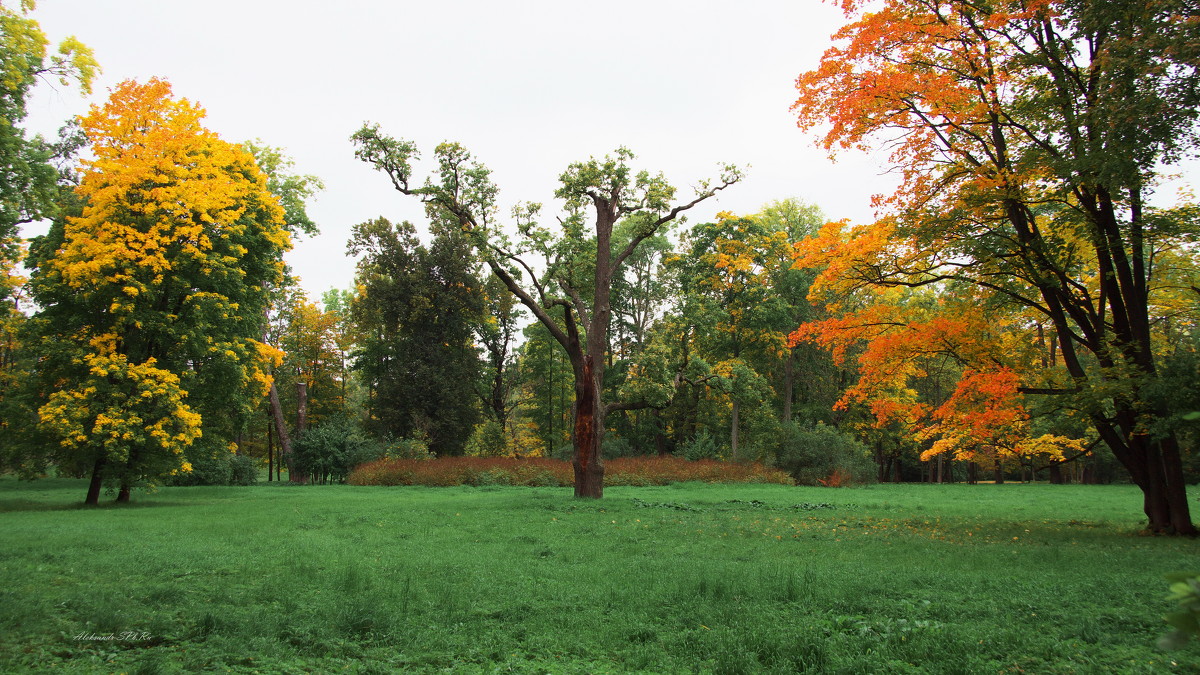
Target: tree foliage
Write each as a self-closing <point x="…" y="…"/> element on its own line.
<point x="575" y="266"/>
<point x="416" y="309"/>
<point x="1028" y="137"/>
<point x="158" y="287"/>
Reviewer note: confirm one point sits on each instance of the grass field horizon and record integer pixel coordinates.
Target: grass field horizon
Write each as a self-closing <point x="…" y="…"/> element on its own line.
<point x="682" y="578"/>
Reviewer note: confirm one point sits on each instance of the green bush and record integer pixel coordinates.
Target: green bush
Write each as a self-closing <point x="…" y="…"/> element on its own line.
<point x="700" y="446"/>
<point x="243" y="470"/>
<point x="407" y="448"/>
<point x="211" y="465"/>
<point x="328" y="452"/>
<point x="487" y="440"/>
<point x="1185" y="590"/>
<point x="813" y="455"/>
<point x="614" y="446"/>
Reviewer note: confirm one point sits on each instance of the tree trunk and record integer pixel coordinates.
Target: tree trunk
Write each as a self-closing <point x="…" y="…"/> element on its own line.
<point x="1163" y="489"/>
<point x="285" y="442"/>
<point x="788" y="386"/>
<point x="589" y="429"/>
<point x="998" y="473"/>
<point x="301" y="407"/>
<point x="733" y="431"/>
<point x="270" y="452"/>
<point x="93" y="493"/>
<point x="1056" y="474"/>
<point x="123" y="494"/>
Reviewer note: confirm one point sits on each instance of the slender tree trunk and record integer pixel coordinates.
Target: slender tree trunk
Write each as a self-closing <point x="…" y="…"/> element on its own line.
<point x="285" y="442"/>
<point x="733" y="431"/>
<point x="270" y="452"/>
<point x="788" y="386"/>
<point x="93" y="493"/>
<point x="998" y="473"/>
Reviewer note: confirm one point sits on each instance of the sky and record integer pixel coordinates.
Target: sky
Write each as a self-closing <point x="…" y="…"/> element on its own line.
<point x="528" y="86"/>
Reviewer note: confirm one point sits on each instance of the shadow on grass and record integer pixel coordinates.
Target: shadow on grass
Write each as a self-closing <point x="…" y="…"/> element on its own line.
<point x="16" y="505"/>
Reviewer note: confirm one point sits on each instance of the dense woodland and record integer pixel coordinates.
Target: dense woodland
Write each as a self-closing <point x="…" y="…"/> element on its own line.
<point x="1024" y="309"/>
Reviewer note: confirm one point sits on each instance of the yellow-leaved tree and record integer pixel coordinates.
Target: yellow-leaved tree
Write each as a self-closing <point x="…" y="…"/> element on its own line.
<point x="153" y="293"/>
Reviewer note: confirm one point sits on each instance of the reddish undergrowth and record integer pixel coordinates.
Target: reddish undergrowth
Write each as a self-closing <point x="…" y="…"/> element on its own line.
<point x="551" y="472"/>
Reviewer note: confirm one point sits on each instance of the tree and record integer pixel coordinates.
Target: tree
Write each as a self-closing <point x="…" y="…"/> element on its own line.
<point x="30" y="184"/>
<point x="579" y="263"/>
<point x="725" y="273"/>
<point x="28" y="178"/>
<point x="153" y="297"/>
<point x="496" y="330"/>
<point x="1028" y="136"/>
<point x="293" y="192"/>
<point x="416" y="309"/>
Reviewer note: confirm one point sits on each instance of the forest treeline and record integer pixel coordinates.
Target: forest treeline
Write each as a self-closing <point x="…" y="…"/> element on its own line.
<point x="1025" y="307"/>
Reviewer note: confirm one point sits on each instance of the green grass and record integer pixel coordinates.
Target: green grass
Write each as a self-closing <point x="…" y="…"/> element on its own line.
<point x="683" y="578"/>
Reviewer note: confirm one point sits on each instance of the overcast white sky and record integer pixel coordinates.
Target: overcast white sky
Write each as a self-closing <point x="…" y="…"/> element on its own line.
<point x="527" y="85"/>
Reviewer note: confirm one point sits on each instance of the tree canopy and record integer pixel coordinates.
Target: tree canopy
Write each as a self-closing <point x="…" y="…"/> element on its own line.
<point x="1028" y="137"/>
<point x="156" y="291"/>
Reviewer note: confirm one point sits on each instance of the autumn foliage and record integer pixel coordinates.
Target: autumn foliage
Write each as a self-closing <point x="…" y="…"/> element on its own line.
<point x="155" y="291"/>
<point x="1028" y="137"/>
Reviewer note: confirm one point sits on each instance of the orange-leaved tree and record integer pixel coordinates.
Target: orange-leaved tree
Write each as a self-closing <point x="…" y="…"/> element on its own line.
<point x="153" y="293"/>
<point x="1028" y="136"/>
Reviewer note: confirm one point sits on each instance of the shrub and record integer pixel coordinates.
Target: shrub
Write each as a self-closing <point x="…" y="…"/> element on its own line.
<point x="408" y="448"/>
<point x="614" y="446"/>
<point x="328" y="452"/>
<point x="637" y="471"/>
<point x="243" y="470"/>
<point x="211" y="465"/>
<point x="822" y="455"/>
<point x="700" y="446"/>
<point x="487" y="440"/>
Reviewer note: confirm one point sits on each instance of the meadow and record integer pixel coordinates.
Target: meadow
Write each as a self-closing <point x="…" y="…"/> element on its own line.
<point x="682" y="578"/>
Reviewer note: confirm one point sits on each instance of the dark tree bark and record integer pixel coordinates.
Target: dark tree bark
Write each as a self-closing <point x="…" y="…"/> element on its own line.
<point x="97" y="482"/>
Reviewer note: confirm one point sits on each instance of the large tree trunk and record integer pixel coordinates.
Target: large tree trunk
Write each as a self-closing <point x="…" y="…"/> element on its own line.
<point x="93" y="493"/>
<point x="588" y="434"/>
<point x="301" y="407"/>
<point x="1164" y="492"/>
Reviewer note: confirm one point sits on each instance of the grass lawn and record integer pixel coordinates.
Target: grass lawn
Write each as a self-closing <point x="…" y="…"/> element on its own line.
<point x="684" y="578"/>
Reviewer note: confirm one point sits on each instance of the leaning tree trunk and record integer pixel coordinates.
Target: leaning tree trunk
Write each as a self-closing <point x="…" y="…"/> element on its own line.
<point x="285" y="442"/>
